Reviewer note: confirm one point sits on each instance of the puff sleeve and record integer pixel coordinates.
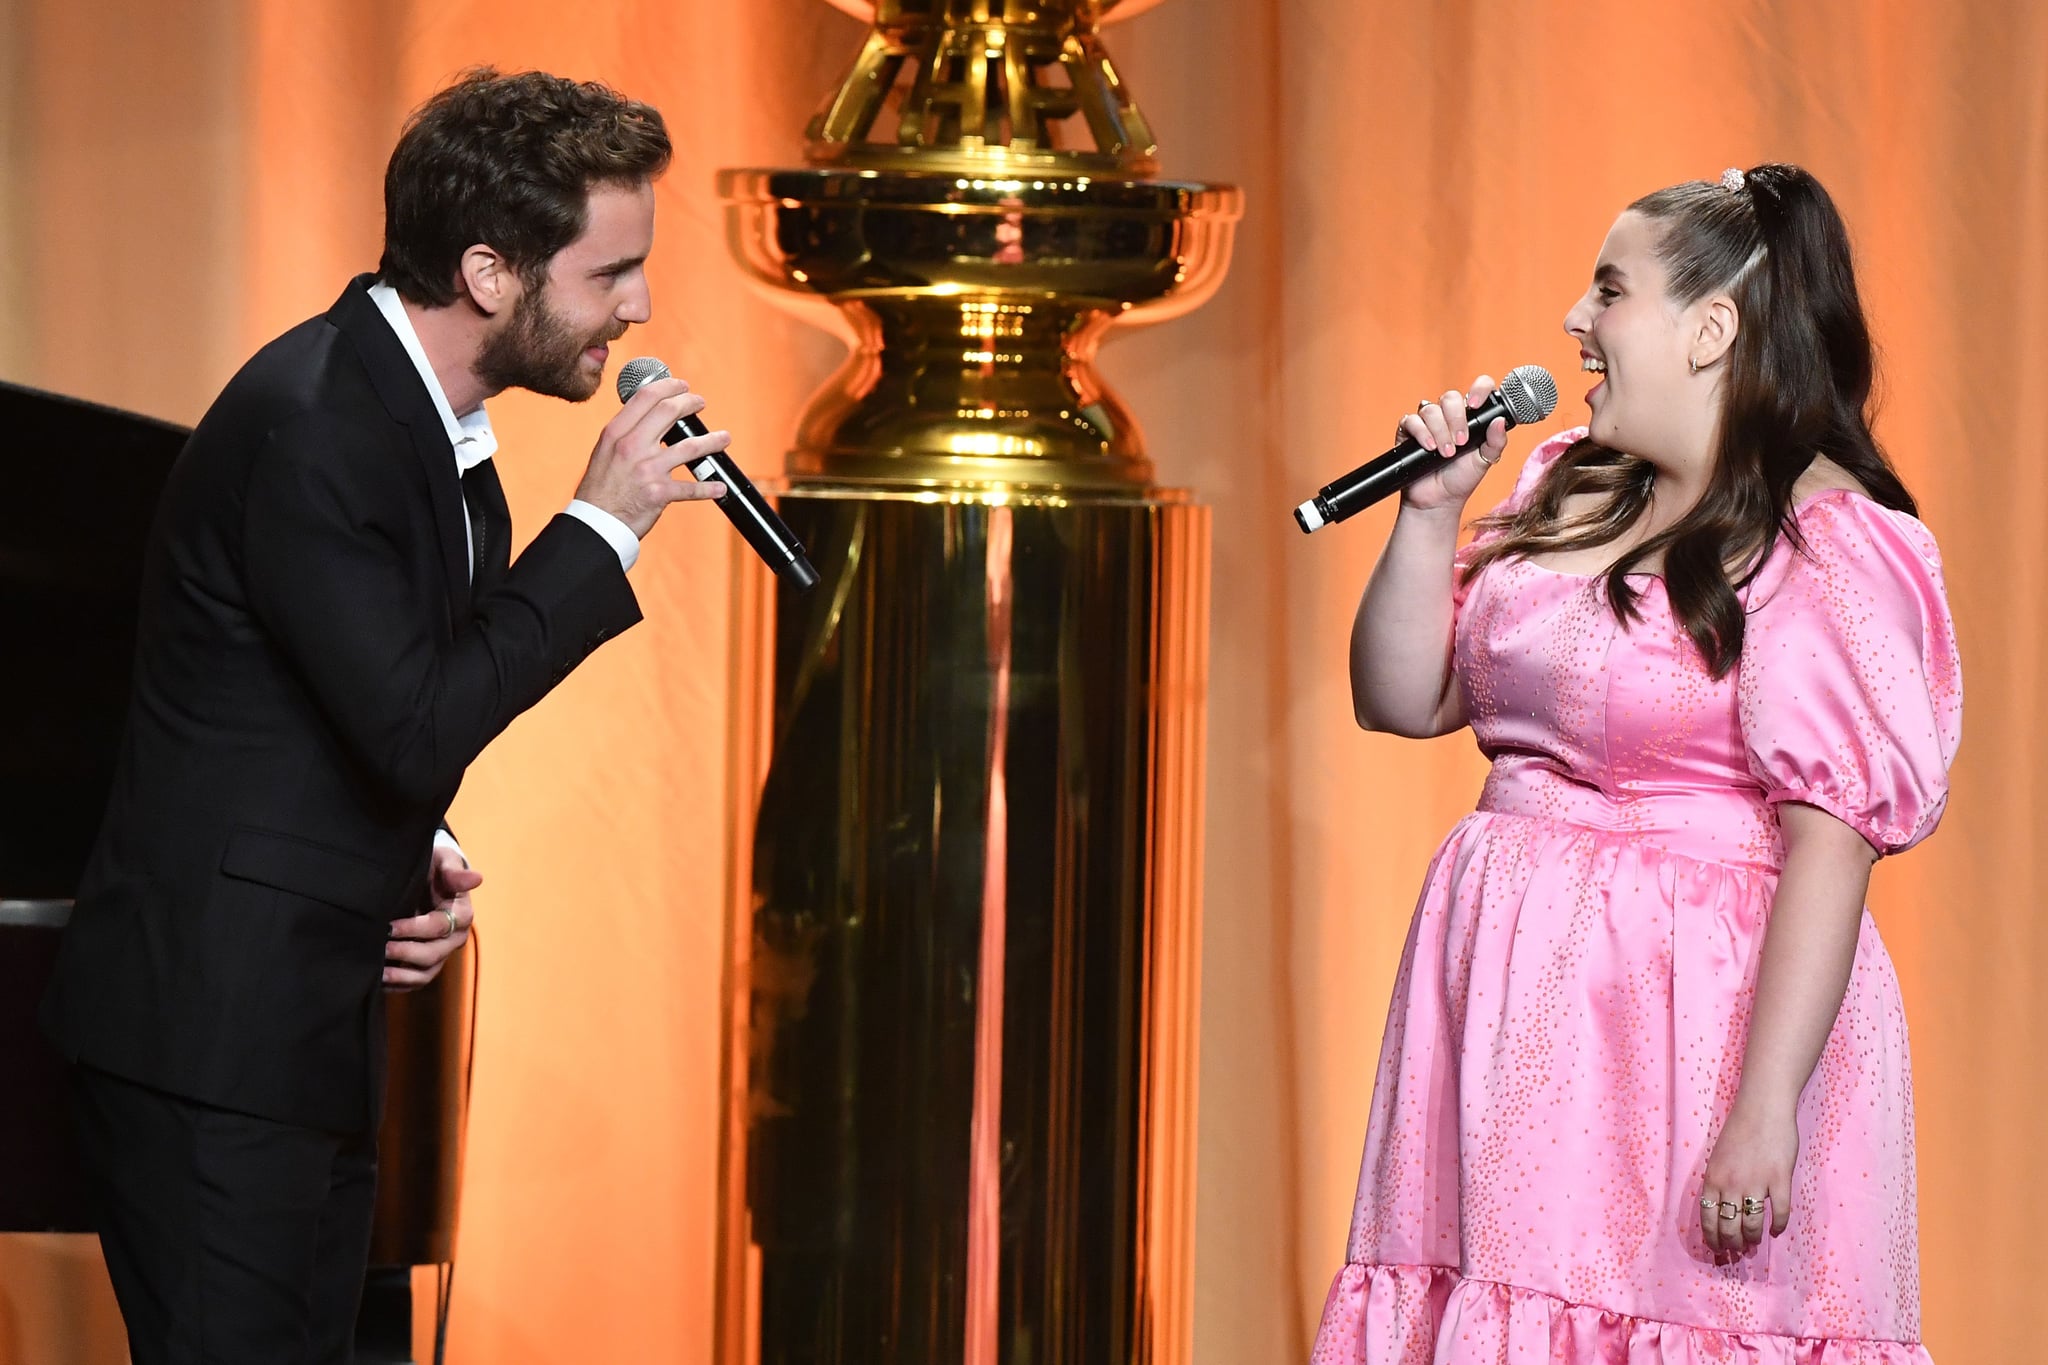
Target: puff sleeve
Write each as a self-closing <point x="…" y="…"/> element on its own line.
<point x="1850" y="688"/>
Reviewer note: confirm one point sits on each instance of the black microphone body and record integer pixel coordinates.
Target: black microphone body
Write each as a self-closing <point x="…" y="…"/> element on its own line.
<point x="1532" y="398"/>
<point x="746" y="509"/>
<point x="742" y="504"/>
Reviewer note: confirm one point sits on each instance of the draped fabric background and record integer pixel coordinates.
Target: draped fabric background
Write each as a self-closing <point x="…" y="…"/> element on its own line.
<point x="1428" y="185"/>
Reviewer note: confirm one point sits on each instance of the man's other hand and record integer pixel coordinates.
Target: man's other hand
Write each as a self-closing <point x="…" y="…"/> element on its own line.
<point x="421" y="944"/>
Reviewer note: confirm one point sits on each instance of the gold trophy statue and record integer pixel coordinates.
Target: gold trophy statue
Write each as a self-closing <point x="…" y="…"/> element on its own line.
<point x="965" y="942"/>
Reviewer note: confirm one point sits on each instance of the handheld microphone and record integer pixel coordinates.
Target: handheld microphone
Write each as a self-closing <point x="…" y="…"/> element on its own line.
<point x="1528" y="394"/>
<point x="742" y="504"/>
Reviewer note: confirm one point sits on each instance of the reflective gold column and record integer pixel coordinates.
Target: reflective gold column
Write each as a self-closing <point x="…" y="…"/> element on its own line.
<point x="964" y="957"/>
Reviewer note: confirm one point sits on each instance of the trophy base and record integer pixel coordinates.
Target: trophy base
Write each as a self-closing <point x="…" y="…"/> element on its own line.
<point x="965" y="961"/>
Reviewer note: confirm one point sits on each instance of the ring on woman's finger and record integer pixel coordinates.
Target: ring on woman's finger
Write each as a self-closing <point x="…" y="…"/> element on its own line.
<point x="1729" y="1209"/>
<point x="452" y="925"/>
<point x="1752" y="1206"/>
<point x="1707" y="1201"/>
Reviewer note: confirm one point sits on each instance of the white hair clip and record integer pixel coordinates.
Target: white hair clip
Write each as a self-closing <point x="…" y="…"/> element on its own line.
<point x="1732" y="179"/>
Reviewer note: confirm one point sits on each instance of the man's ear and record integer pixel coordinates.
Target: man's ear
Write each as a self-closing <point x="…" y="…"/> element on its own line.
<point x="1716" y="329"/>
<point x="491" y="284"/>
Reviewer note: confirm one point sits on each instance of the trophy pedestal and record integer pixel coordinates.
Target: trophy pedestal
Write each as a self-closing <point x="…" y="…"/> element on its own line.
<point x="964" y="1126"/>
<point x="964" y="948"/>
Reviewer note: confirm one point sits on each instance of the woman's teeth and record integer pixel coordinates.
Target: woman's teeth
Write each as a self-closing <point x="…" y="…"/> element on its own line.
<point x="1592" y="366"/>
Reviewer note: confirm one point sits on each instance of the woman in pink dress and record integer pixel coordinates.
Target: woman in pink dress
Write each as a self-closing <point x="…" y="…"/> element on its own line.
<point x="1644" y="1096"/>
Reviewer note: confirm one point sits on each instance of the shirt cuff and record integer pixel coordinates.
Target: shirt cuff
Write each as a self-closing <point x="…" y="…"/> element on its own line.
<point x="443" y="839"/>
<point x="616" y="533"/>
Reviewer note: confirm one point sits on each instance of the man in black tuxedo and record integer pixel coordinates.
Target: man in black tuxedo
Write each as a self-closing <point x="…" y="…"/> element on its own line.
<point x="331" y="630"/>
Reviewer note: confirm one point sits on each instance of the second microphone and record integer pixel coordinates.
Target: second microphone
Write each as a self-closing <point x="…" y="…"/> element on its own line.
<point x="742" y="504"/>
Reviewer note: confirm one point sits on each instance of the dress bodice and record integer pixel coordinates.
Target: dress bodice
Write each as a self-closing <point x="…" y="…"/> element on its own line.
<point x="1847" y="694"/>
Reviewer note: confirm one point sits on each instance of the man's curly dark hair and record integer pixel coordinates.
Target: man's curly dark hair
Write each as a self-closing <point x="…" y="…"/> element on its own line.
<point x="509" y="161"/>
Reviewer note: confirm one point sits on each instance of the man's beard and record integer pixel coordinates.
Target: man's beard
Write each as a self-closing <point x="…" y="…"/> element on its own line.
<point x="536" y="350"/>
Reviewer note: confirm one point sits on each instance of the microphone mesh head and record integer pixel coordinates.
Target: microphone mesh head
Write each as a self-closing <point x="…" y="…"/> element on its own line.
<point x="638" y="372"/>
<point x="1529" y="392"/>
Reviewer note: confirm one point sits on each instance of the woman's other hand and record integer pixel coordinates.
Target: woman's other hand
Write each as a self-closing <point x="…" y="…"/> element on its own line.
<point x="1751" y="1159"/>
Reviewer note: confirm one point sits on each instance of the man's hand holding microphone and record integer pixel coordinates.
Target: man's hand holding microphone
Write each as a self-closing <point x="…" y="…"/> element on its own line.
<point x="632" y="470"/>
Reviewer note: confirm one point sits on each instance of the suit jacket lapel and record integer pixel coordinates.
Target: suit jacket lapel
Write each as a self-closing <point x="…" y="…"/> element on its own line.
<point x="444" y="486"/>
<point x="406" y="398"/>
<point x="498" y="549"/>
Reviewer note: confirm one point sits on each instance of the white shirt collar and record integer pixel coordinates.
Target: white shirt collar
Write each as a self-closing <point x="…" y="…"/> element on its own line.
<point x="471" y="434"/>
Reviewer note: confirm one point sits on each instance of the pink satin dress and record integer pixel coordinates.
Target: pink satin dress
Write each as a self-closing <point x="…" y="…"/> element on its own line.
<point x="1568" y="1023"/>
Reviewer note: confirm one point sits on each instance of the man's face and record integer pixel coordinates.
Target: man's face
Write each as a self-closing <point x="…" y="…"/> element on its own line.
<point x="556" y="339"/>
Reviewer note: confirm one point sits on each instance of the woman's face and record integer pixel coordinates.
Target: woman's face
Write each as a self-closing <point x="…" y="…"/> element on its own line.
<point x="1635" y="341"/>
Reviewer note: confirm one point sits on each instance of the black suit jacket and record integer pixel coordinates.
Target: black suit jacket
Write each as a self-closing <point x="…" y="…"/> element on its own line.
<point x="313" y="674"/>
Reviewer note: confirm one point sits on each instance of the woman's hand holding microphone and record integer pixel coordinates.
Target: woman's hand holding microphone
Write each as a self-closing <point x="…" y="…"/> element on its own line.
<point x="1441" y="426"/>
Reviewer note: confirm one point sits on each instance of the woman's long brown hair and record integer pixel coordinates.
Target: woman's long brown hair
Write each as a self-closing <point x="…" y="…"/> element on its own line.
<point x="1798" y="387"/>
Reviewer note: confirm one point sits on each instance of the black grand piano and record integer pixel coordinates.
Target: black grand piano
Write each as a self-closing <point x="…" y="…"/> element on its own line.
<point x="78" y="485"/>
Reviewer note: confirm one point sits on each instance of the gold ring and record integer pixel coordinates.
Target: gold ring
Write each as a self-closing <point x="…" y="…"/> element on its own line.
<point x="1481" y="453"/>
<point x="1729" y="1209"/>
<point x="452" y="925"/>
<point x="1751" y="1206"/>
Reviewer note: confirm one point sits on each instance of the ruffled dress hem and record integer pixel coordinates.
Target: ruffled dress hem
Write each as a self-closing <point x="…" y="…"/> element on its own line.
<point x="1431" y="1315"/>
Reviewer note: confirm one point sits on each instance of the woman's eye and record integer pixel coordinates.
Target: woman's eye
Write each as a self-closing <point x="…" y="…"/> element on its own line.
<point x="1608" y="293"/>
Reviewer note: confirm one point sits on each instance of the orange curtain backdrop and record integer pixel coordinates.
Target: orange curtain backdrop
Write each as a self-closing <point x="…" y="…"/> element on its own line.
<point x="1428" y="184"/>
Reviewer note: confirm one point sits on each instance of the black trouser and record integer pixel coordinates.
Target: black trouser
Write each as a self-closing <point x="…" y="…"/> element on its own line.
<point x="229" y="1238"/>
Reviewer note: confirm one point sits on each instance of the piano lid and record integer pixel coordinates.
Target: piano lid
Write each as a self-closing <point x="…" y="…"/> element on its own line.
<point x="78" y="486"/>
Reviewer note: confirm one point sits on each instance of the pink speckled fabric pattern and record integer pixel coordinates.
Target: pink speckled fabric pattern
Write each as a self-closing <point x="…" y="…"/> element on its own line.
<point x="1568" y="1023"/>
